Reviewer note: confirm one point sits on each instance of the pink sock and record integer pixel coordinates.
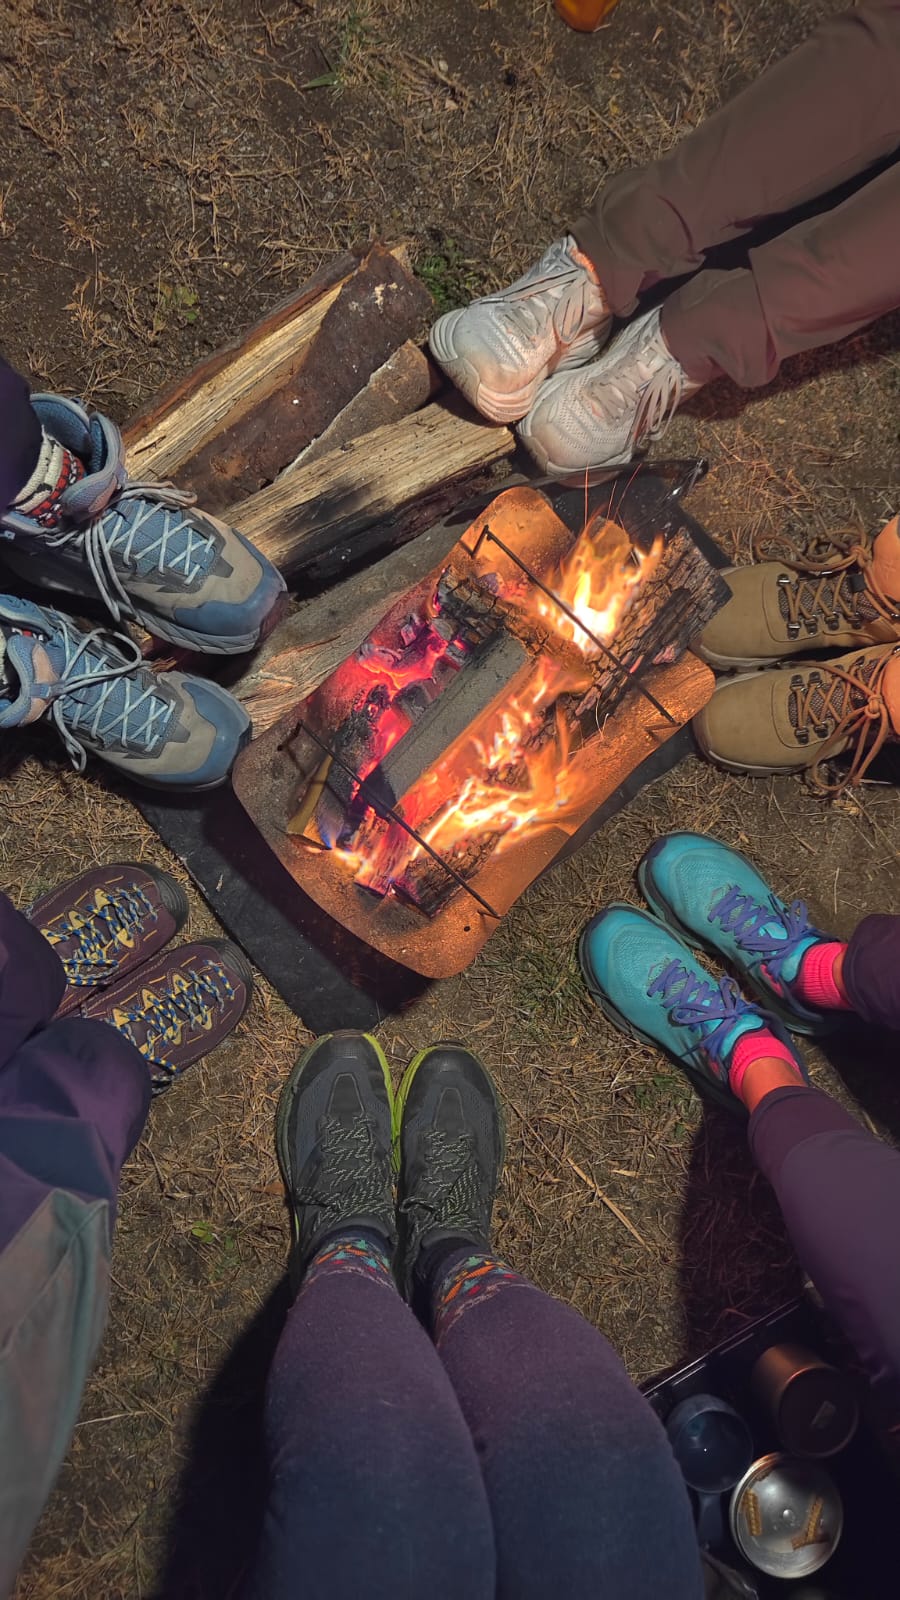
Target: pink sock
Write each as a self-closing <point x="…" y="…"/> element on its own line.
<point x="754" y="1047"/>
<point x="814" y="983"/>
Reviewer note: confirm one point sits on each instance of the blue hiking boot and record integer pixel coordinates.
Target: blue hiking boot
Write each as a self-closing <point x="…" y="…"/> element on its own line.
<point x="141" y="547"/>
<point x="649" y="985"/>
<point x="165" y="729"/>
<point x="715" y="898"/>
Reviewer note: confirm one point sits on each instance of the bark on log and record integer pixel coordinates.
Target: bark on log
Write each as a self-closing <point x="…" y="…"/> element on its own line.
<point x="242" y="416"/>
<point x="406" y="381"/>
<point x="377" y="492"/>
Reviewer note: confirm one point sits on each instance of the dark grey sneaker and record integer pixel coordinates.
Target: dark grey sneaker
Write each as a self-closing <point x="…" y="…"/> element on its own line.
<point x="450" y="1148"/>
<point x="333" y="1134"/>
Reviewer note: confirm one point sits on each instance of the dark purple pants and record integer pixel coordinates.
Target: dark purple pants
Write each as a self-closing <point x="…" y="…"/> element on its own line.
<point x="20" y="434"/>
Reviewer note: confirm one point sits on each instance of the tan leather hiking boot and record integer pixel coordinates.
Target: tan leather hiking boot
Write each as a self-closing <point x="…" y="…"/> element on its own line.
<point x="836" y="599"/>
<point x="796" y="718"/>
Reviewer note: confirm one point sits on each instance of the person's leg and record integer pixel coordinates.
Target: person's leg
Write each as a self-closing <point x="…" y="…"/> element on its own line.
<point x="575" y="1464"/>
<point x="73" y="1099"/>
<point x="20" y="434"/>
<point x="32" y="980"/>
<point x="820" y="281"/>
<point x="869" y="971"/>
<point x="838" y="1188"/>
<point x="375" y="1487"/>
<point x="823" y="113"/>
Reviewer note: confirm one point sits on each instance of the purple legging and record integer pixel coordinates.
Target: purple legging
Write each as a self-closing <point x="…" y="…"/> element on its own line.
<point x="20" y="434"/>
<point x="510" y="1458"/>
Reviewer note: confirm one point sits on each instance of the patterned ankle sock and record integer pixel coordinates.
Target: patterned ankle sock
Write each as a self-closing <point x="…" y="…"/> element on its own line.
<point x="757" y="1046"/>
<point x="363" y="1251"/>
<point x="56" y="469"/>
<point x="469" y="1280"/>
<point x="814" y="983"/>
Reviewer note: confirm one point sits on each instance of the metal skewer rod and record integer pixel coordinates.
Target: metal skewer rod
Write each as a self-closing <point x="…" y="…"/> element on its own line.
<point x="486" y="533"/>
<point x="380" y="805"/>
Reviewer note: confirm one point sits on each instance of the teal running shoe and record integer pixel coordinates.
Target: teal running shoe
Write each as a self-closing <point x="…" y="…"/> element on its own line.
<point x="142" y="548"/>
<point x="715" y="899"/>
<point x="167" y="729"/>
<point x="650" y="986"/>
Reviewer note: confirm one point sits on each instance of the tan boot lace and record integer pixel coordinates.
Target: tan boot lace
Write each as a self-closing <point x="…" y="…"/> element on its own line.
<point x="836" y="704"/>
<point x="835" y="586"/>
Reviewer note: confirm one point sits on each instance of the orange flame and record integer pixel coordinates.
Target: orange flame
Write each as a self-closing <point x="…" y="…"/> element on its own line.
<point x="598" y="580"/>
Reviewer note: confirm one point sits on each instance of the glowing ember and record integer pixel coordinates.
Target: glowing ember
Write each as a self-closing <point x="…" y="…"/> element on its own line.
<point x="517" y="767"/>
<point x="598" y="580"/>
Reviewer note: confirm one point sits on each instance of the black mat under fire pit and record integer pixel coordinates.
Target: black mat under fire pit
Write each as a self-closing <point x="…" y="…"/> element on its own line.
<point x="328" y="977"/>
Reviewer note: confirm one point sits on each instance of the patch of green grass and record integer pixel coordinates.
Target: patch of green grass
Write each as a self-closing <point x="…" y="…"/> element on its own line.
<point x="222" y="1246"/>
<point x="352" y="36"/>
<point x="175" y="302"/>
<point x="451" y="278"/>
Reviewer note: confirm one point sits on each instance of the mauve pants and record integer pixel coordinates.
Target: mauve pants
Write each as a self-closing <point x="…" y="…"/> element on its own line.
<point x="20" y="434"/>
<point x="820" y="116"/>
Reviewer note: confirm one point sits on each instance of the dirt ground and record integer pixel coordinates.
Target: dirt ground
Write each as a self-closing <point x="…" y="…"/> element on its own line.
<point x="170" y="169"/>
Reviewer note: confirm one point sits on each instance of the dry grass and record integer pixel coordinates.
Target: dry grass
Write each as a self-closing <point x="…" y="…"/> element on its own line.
<point x="172" y="168"/>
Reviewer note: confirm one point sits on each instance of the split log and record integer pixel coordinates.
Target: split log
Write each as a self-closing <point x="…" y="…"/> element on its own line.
<point x="323" y="631"/>
<point x="406" y="381"/>
<point x="377" y="492"/>
<point x="481" y="680"/>
<point x="242" y="416"/>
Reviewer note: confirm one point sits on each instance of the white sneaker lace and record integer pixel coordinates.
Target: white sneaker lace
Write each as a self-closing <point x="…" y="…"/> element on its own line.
<point x="653" y="396"/>
<point x="559" y="298"/>
<point x="140" y="717"/>
<point x="100" y="544"/>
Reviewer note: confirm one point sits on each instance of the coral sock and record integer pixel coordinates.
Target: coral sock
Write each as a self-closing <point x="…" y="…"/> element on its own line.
<point x="756" y="1046"/>
<point x="56" y="469"/>
<point x="814" y="983"/>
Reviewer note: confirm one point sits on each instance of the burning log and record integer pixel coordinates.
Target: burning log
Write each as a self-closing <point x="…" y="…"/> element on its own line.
<point x="426" y="885"/>
<point x="485" y="675"/>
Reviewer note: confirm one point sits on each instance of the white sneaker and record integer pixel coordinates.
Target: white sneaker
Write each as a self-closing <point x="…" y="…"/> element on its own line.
<point x="500" y="349"/>
<point x="585" y="423"/>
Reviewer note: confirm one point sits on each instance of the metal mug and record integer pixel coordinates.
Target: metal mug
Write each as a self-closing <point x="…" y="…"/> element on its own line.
<point x="812" y="1405"/>
<point x="713" y="1447"/>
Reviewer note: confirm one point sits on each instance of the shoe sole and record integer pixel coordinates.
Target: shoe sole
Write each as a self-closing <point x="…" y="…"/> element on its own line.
<point x="403" y="1096"/>
<point x="706" y="1087"/>
<point x="694" y="941"/>
<point x="289" y="1093"/>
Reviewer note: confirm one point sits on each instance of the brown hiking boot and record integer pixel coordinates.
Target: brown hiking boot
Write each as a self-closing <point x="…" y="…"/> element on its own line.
<point x="178" y="1007"/>
<point x="835" y="598"/>
<point x="796" y="718"/>
<point x="106" y="922"/>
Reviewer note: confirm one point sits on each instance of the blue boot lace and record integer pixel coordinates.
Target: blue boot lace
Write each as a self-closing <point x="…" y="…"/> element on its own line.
<point x="101" y="931"/>
<point x="159" y="1020"/>
<point x="153" y="539"/>
<point x="708" y="1009"/>
<point x="747" y="920"/>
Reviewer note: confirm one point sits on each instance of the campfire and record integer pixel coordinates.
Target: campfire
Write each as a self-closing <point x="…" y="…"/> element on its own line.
<point x="477" y="728"/>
